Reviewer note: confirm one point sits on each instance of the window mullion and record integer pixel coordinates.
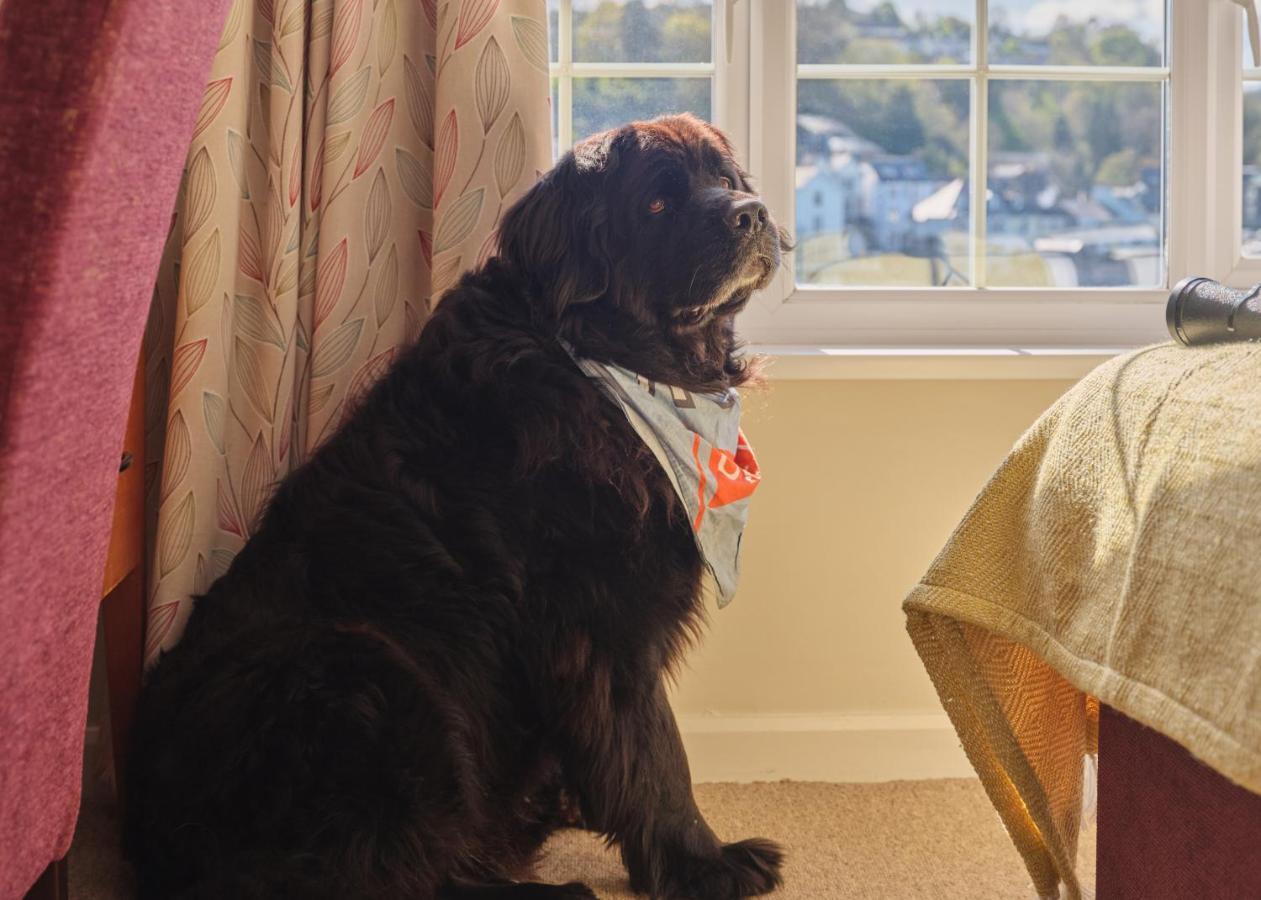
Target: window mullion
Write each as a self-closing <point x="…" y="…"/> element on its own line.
<point x="730" y="52"/>
<point x="771" y="97"/>
<point x="866" y="72"/>
<point x="564" y="75"/>
<point x="1204" y="141"/>
<point x="1078" y="73"/>
<point x="978" y="165"/>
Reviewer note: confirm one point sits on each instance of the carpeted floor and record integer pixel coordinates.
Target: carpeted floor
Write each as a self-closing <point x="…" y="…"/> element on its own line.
<point x="894" y="841"/>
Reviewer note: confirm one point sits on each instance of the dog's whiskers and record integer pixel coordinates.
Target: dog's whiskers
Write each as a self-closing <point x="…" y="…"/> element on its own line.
<point x="691" y="284"/>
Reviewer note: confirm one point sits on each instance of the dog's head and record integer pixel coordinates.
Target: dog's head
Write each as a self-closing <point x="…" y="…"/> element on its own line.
<point x="641" y="246"/>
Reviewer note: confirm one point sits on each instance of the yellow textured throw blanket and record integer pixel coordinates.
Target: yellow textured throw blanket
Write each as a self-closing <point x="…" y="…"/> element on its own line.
<point x="1115" y="557"/>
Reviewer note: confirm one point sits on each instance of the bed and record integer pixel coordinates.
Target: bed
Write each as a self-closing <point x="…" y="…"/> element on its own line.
<point x="1101" y="603"/>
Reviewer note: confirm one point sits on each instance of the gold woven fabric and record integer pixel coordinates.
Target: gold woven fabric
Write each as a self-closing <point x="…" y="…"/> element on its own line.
<point x="1114" y="557"/>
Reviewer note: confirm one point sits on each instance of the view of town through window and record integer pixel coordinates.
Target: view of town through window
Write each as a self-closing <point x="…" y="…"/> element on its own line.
<point x="1071" y="95"/>
<point x="673" y="36"/>
<point x="1073" y="155"/>
<point x="1251" y="154"/>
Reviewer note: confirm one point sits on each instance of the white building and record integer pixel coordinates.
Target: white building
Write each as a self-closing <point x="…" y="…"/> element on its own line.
<point x="892" y="186"/>
<point x="822" y="193"/>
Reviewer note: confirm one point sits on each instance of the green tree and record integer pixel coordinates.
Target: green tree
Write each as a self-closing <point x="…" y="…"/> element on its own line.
<point x="598" y="34"/>
<point x="1069" y="44"/>
<point x="1103" y="125"/>
<point x="824" y="31"/>
<point x="1120" y="46"/>
<point x="1119" y="170"/>
<point x="942" y="108"/>
<point x="685" y="36"/>
<point x="885" y="14"/>
<point x="639" y="33"/>
<point x="601" y="103"/>
<point x="867" y="51"/>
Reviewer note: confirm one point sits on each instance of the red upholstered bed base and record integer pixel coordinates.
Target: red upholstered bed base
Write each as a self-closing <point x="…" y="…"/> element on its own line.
<point x="1170" y="828"/>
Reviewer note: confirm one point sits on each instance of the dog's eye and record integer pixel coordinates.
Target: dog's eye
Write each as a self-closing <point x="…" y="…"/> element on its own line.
<point x="726" y="183"/>
<point x="657" y="206"/>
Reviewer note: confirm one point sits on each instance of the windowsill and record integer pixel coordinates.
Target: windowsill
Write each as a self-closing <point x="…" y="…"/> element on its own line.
<point x="806" y="363"/>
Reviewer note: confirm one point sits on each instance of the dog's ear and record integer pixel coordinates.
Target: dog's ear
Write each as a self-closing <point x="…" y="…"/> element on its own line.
<point x="557" y="234"/>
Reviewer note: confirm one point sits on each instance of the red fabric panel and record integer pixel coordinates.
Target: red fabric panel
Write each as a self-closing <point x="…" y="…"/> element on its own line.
<point x="97" y="104"/>
<point x="1170" y="828"/>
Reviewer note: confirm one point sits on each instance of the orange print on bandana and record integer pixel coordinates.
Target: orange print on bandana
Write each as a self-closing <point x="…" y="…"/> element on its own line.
<point x="733" y="477"/>
<point x="697" y="440"/>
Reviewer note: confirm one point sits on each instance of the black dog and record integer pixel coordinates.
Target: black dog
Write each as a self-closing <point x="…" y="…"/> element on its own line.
<point x="459" y="613"/>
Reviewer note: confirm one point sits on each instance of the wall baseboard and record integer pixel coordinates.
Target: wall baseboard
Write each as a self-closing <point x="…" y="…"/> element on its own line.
<point x="836" y="748"/>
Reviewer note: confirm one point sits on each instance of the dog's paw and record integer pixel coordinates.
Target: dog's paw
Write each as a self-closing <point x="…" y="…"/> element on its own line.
<point x="753" y="865"/>
<point x="743" y="869"/>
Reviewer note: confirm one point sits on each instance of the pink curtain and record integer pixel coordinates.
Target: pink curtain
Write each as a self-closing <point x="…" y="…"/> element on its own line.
<point x="350" y="159"/>
<point x="97" y="102"/>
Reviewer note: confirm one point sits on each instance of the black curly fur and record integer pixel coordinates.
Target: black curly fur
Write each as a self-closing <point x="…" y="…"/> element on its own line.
<point x="459" y="613"/>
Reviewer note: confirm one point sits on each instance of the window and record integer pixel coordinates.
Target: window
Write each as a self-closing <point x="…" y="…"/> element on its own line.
<point x="1251" y="164"/>
<point x="618" y="60"/>
<point x="1226" y="107"/>
<point x="1021" y="173"/>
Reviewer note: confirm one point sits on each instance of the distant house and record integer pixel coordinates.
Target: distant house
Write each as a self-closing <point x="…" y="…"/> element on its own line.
<point x="821" y="197"/>
<point x="1109" y="256"/>
<point x="1023" y="200"/>
<point x="1104" y="238"/>
<point x="891" y="187"/>
<point x="1252" y="199"/>
<point x="1252" y="210"/>
<point x="1126" y="203"/>
<point x="1086" y="211"/>
<point x="880" y="203"/>
<point x="871" y="201"/>
<point x="812" y="136"/>
<point x="944" y="207"/>
<point x="1021" y="205"/>
<point x="823" y="139"/>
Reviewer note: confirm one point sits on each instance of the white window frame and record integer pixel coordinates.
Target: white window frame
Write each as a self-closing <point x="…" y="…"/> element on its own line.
<point x="727" y="69"/>
<point x="1224" y="119"/>
<point x="754" y="76"/>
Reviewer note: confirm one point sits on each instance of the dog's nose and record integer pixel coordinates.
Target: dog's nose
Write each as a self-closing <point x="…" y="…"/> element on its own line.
<point x="748" y="216"/>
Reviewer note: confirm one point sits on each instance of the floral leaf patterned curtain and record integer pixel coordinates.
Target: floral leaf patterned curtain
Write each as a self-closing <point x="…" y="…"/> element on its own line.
<point x="350" y="159"/>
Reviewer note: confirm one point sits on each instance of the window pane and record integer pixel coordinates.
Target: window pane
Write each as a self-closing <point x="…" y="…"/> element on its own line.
<point x="553" y="105"/>
<point x="881" y="172"/>
<point x="1252" y="168"/>
<point x="1077" y="32"/>
<point x="883" y="32"/>
<point x="601" y="103"/>
<point x="638" y="31"/>
<point x="553" y="30"/>
<point x="1075" y="184"/>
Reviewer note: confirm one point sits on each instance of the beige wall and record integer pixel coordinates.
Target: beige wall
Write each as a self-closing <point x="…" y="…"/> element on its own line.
<point x="809" y="673"/>
<point x="863" y="482"/>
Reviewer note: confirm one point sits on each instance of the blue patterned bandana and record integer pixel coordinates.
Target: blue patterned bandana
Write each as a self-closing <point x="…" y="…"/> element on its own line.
<point x="698" y="442"/>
